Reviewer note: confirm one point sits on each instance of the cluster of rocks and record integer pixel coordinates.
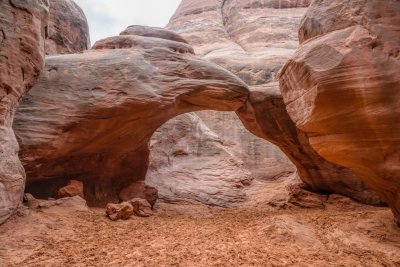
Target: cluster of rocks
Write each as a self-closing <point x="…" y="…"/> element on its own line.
<point x="136" y="206"/>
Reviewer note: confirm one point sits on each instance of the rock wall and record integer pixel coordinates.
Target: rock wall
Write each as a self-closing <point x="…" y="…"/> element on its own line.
<point x="68" y="28"/>
<point x="254" y="39"/>
<point x="22" y="37"/>
<point x="348" y="103"/>
<point x="96" y="122"/>
<point x="189" y="162"/>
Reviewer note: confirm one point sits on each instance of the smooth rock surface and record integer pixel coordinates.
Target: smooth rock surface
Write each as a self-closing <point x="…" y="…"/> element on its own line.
<point x="348" y="103"/>
<point x="68" y="30"/>
<point x="22" y="38"/>
<point x="265" y="116"/>
<point x="92" y="115"/>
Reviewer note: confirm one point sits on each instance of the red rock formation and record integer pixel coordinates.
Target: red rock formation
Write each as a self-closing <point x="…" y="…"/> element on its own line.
<point x="104" y="106"/>
<point x="342" y="88"/>
<point x="68" y="28"/>
<point x="253" y="39"/>
<point x="22" y="33"/>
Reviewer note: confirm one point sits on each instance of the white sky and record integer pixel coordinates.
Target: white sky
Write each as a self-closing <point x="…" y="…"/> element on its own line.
<point x="110" y="17"/>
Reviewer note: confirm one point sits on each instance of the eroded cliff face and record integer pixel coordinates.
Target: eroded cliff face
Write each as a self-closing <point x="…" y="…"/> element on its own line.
<point x="342" y="88"/>
<point x="22" y="37"/>
<point x="103" y="106"/>
<point x="254" y="39"/>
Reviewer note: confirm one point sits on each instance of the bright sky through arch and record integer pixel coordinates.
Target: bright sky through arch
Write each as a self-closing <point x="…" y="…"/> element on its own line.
<point x="110" y="17"/>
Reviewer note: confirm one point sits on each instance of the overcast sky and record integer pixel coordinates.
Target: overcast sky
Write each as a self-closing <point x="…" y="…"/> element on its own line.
<point x="110" y="17"/>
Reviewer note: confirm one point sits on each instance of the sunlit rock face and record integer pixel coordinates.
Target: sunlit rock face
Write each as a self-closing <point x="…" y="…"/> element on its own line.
<point x="342" y="88"/>
<point x="22" y="38"/>
<point x="68" y="30"/>
<point x="91" y="115"/>
<point x="254" y="39"/>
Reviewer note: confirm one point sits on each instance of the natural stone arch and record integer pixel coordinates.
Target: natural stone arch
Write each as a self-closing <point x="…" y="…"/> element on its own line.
<point x="91" y="115"/>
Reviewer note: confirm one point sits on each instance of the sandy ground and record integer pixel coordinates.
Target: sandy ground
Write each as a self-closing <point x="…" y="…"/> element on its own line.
<point x="188" y="235"/>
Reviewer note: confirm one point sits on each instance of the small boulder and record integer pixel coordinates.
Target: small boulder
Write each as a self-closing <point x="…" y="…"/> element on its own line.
<point x="74" y="188"/>
<point x="141" y="207"/>
<point x="122" y="211"/>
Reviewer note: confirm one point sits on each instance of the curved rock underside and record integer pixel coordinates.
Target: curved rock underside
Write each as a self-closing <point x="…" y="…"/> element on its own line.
<point x="22" y="37"/>
<point x="68" y="30"/>
<point x="254" y="39"/>
<point x="348" y="103"/>
<point x="91" y="115"/>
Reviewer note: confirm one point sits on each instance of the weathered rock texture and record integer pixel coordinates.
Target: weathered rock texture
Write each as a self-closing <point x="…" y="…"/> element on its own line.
<point x="91" y="115"/>
<point x="342" y="88"/>
<point x="22" y="38"/>
<point x="68" y="30"/>
<point x="254" y="39"/>
<point x="189" y="162"/>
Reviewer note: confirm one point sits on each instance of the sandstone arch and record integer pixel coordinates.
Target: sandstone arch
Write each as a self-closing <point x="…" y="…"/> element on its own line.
<point x="91" y="115"/>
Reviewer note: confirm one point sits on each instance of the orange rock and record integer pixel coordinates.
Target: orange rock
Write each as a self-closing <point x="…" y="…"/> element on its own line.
<point x="342" y="88"/>
<point x="74" y="188"/>
<point x="122" y="211"/>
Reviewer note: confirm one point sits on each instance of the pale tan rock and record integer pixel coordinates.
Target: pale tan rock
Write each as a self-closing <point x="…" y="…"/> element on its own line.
<point x="74" y="188"/>
<point x="22" y="37"/>
<point x="342" y="89"/>
<point x="190" y="163"/>
<point x="122" y="211"/>
<point x="104" y="106"/>
<point x="68" y="30"/>
<point x="63" y="205"/>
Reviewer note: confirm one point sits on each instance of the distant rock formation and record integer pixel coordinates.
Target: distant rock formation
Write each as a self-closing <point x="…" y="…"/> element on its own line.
<point x="342" y="88"/>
